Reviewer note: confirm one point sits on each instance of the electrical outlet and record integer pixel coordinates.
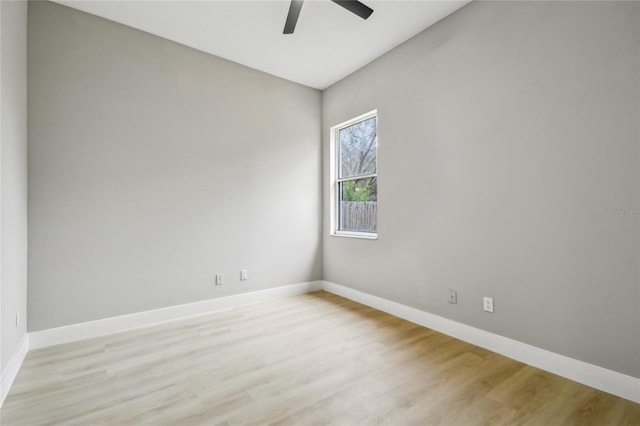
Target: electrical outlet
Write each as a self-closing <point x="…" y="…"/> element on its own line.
<point x="488" y="304"/>
<point x="219" y="279"/>
<point x="244" y="275"/>
<point x="453" y="296"/>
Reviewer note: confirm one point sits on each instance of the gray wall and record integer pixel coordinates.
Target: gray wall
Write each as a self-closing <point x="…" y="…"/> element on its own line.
<point x="152" y="166"/>
<point x="505" y="131"/>
<point x="13" y="195"/>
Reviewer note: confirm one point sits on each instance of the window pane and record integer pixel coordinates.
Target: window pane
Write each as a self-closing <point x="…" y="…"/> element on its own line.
<point x="358" y="148"/>
<point x="358" y="205"/>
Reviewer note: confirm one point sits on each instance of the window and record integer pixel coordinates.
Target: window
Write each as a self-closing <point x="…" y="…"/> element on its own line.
<point x="354" y="175"/>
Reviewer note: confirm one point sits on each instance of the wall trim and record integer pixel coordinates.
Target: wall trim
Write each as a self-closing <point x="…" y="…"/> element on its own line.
<point x="610" y="381"/>
<point x="87" y="330"/>
<point x="622" y="385"/>
<point x="9" y="374"/>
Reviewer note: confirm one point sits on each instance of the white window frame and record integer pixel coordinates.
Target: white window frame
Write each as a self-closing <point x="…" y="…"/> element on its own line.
<point x="334" y="163"/>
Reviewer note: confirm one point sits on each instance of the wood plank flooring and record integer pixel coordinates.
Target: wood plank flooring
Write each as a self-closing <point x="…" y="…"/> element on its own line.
<point x="313" y="359"/>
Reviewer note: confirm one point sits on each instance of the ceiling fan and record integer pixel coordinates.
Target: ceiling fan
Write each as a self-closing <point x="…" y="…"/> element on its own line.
<point x="353" y="6"/>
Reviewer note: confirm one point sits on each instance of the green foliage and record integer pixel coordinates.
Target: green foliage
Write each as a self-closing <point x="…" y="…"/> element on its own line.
<point x="359" y="191"/>
<point x="358" y="156"/>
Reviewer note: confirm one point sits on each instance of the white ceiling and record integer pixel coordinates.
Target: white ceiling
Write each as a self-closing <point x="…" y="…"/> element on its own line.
<point x="328" y="44"/>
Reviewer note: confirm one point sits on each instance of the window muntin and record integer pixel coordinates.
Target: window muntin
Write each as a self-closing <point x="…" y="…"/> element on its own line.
<point x="355" y="188"/>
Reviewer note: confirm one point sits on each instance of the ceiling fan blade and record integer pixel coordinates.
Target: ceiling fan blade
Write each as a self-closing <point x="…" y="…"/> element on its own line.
<point x="292" y="17"/>
<point x="353" y="6"/>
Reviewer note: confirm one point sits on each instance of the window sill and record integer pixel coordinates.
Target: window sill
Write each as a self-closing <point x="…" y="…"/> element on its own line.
<point x="362" y="235"/>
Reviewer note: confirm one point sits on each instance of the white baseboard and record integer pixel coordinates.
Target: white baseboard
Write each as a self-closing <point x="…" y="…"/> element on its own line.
<point x="86" y="330"/>
<point x="619" y="384"/>
<point x="10" y="373"/>
<point x="610" y="381"/>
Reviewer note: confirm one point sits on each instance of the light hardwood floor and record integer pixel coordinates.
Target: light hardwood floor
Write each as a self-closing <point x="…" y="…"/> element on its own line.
<point x="304" y="360"/>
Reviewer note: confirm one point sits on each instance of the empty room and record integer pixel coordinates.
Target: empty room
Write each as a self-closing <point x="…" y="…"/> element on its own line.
<point x="319" y="212"/>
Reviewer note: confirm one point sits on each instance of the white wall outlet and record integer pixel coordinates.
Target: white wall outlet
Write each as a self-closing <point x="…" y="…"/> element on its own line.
<point x="488" y="304"/>
<point x="219" y="279"/>
<point x="453" y="296"/>
<point x="244" y="275"/>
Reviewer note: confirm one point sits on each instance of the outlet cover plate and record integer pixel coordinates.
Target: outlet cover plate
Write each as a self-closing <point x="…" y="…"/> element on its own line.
<point x="488" y="304"/>
<point x="453" y="296"/>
